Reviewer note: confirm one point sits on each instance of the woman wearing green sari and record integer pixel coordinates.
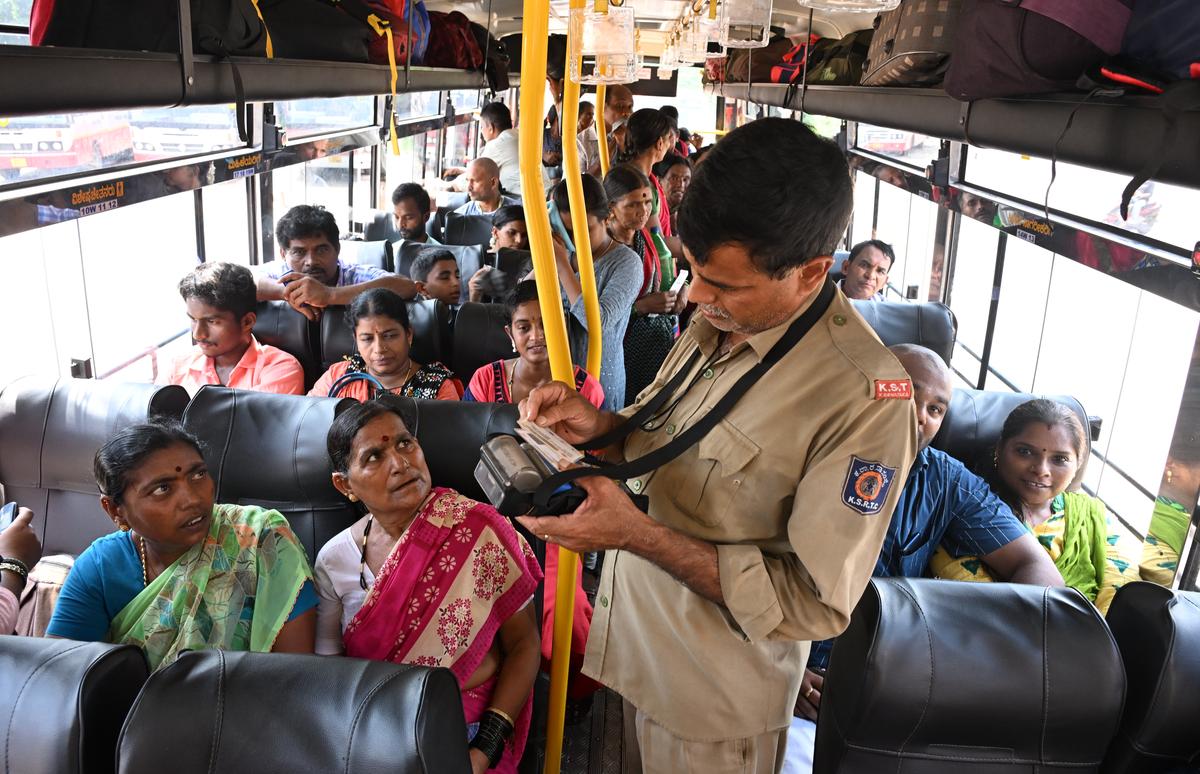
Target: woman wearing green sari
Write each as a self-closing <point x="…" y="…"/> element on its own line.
<point x="1040" y="453"/>
<point x="182" y="573"/>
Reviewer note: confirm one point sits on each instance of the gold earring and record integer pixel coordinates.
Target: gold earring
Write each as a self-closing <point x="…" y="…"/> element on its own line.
<point x="1169" y="475"/>
<point x="995" y="459"/>
<point x="353" y="497"/>
<point x="123" y="527"/>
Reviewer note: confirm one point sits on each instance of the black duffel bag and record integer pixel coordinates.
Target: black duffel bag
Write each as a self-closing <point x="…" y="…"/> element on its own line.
<point x="313" y="29"/>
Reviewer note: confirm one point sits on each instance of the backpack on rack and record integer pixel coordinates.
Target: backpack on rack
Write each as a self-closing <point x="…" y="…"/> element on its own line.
<point x="912" y="44"/>
<point x="314" y="29"/>
<point x="1016" y="47"/>
<point x="1161" y="47"/>
<point x="792" y="64"/>
<point x="753" y="65"/>
<point x="496" y="59"/>
<point x="451" y="42"/>
<point x="830" y="62"/>
<point x="381" y="17"/>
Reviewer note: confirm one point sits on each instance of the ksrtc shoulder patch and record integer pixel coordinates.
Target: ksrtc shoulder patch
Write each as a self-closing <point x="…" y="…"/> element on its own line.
<point x="900" y="389"/>
<point x="867" y="485"/>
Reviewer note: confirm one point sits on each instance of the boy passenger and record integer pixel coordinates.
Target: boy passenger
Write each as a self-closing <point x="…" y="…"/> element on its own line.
<point x="220" y="302"/>
<point x="942" y="503"/>
<point x="308" y="274"/>
<point x="761" y="537"/>
<point x="436" y="274"/>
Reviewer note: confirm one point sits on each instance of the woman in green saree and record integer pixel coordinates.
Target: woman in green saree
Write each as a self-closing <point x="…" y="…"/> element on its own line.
<point x="182" y="573"/>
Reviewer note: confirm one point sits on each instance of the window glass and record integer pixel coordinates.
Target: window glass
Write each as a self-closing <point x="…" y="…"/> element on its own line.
<point x="913" y="270"/>
<point x="1159" y="211"/>
<point x="894" y="217"/>
<point x="361" y="185"/>
<point x="133" y="259"/>
<point x="971" y="292"/>
<point x="420" y="104"/>
<point x="697" y="108"/>
<point x="1024" y="291"/>
<point x="864" y="208"/>
<point x="911" y="148"/>
<point x="324" y="181"/>
<point x="16" y="13"/>
<point x="464" y="100"/>
<point x="307" y="117"/>
<point x="226" y="222"/>
<point x="396" y="169"/>
<point x="183" y="131"/>
<point x="823" y="125"/>
<point x="459" y="149"/>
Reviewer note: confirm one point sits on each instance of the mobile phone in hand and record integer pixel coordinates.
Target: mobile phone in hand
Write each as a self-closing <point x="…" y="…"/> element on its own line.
<point x="7" y="514"/>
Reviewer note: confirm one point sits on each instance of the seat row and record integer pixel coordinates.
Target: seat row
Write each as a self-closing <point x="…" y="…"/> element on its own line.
<point x="93" y="708"/>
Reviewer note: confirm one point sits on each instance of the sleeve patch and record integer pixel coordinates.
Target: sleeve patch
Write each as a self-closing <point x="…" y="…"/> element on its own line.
<point x="867" y="485"/>
<point x="900" y="389"/>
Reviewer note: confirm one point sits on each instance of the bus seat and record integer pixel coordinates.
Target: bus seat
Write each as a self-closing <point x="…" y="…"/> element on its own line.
<point x="269" y="450"/>
<point x="515" y="263"/>
<point x="839" y="260"/>
<point x="64" y="703"/>
<point x="973" y="423"/>
<point x="277" y="713"/>
<point x="452" y="200"/>
<point x="281" y="326"/>
<point x="50" y="430"/>
<point x="377" y="253"/>
<point x="934" y="677"/>
<point x="468" y="229"/>
<point x="1157" y="630"/>
<point x="469" y="257"/>
<point x="930" y="324"/>
<point x="430" y="321"/>
<point x="451" y="433"/>
<point x="479" y="338"/>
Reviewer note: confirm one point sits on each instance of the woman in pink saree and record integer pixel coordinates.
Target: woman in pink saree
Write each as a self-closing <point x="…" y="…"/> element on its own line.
<point x="430" y="577"/>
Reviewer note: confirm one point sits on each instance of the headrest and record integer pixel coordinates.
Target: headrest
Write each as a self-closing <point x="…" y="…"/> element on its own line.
<point x="1157" y="630"/>
<point x="452" y="200"/>
<point x="839" y="261"/>
<point x="972" y="425"/>
<point x="63" y="703"/>
<point x="451" y="432"/>
<point x="468" y="229"/>
<point x="51" y="428"/>
<point x="279" y="325"/>
<point x="268" y="449"/>
<point x="324" y="714"/>
<point x="430" y="320"/>
<point x="469" y="257"/>
<point x="937" y="676"/>
<point x="930" y="324"/>
<point x="377" y="253"/>
<point x="479" y="337"/>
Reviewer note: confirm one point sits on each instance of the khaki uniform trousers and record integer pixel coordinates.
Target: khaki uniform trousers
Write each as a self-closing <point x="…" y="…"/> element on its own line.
<point x="652" y="749"/>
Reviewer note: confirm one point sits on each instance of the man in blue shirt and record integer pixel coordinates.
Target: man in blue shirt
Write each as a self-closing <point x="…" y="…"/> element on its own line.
<point x="942" y="503"/>
<point x="309" y="275"/>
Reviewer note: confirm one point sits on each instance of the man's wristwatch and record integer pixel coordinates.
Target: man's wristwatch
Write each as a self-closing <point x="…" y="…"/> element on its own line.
<point x="14" y="566"/>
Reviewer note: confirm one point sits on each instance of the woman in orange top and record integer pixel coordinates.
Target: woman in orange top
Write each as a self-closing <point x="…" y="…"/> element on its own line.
<point x="383" y="337"/>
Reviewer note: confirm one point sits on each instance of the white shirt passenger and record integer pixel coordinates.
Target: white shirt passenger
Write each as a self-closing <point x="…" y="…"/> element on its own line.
<point x="504" y="149"/>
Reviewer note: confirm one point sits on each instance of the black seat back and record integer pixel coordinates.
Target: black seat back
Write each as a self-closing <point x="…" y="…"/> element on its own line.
<point x="467" y="229"/>
<point x="64" y="702"/>
<point x="1157" y="631"/>
<point x="269" y="450"/>
<point x="934" y="677"/>
<point x="430" y="320"/>
<point x="378" y="224"/>
<point x="377" y="253"/>
<point x="469" y="257"/>
<point x="50" y="430"/>
<point x="515" y="263"/>
<point x="479" y="338"/>
<point x="281" y="326"/>
<point x="972" y="425"/>
<point x="208" y="712"/>
<point x="451" y="432"/>
<point x="930" y="324"/>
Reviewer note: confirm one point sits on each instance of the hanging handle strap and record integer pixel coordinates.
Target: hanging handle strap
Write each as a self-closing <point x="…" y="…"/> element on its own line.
<point x="384" y="27"/>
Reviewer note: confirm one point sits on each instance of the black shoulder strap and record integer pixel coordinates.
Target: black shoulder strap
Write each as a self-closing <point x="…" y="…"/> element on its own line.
<point x="688" y="438"/>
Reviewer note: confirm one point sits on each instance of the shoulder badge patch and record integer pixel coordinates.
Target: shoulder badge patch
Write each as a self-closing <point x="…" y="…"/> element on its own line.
<point x="867" y="485"/>
<point x="900" y="389"/>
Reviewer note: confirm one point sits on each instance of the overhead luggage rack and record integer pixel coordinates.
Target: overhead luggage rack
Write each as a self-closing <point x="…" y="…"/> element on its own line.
<point x="1114" y="134"/>
<point x="63" y="80"/>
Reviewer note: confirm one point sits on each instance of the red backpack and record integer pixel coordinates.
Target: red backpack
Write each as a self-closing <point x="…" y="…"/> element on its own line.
<point x="452" y="43"/>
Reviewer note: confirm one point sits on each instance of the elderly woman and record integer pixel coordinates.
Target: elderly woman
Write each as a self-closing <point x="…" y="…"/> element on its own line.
<point x="383" y="362"/>
<point x="429" y="577"/>
<point x="163" y="580"/>
<point x="1041" y="451"/>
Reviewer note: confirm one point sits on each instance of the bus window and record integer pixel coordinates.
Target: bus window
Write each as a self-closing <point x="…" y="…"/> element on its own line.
<point x="974" y="264"/>
<point x="33" y="147"/>
<point x="1159" y="211"/>
<point x="1020" y="316"/>
<point x="183" y="131"/>
<point x="862" y="226"/>
<point x="308" y="117"/>
<point x="396" y="169"/>
<point x="418" y="104"/>
<point x="226" y="222"/>
<point x="16" y="13"/>
<point x="910" y="148"/>
<point x="465" y="100"/>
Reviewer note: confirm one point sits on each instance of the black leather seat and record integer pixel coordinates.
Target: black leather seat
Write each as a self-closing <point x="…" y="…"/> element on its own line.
<point x="479" y="338"/>
<point x="269" y="450"/>
<point x="377" y="253"/>
<point x="930" y="324"/>
<point x="940" y="677"/>
<point x="451" y="432"/>
<point x="282" y="326"/>
<point x="208" y="712"/>
<point x="469" y="257"/>
<point x="431" y="324"/>
<point x="467" y="229"/>
<point x="972" y="425"/>
<point x="64" y="702"/>
<point x="1157" y="631"/>
<point x="50" y="430"/>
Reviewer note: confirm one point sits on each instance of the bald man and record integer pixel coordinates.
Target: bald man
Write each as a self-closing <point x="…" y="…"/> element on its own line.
<point x="483" y="186"/>
<point x="942" y="503"/>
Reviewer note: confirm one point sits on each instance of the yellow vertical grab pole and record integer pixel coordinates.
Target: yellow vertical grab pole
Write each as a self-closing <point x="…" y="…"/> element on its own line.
<point x="601" y="129"/>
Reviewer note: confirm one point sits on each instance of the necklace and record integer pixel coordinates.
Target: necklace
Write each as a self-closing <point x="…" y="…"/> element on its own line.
<point x="362" y="562"/>
<point x="141" y="544"/>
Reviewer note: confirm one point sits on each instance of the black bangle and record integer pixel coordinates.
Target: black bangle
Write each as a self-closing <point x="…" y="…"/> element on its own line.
<point x="490" y="739"/>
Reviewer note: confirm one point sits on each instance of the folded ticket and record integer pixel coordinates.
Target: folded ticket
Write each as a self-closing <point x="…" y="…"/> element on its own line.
<point x="557" y="452"/>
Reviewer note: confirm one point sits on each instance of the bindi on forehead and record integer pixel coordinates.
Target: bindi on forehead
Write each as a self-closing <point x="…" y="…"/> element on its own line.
<point x="178" y="469"/>
<point x="387" y="438"/>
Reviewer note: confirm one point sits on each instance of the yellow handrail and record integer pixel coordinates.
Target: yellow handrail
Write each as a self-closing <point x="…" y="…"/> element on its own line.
<point x="601" y="129"/>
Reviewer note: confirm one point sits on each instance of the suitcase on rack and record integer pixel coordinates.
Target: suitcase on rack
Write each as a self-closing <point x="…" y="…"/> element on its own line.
<point x="912" y="44"/>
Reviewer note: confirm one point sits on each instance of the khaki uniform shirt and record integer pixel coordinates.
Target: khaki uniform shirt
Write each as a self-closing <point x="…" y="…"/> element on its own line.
<point x="795" y="487"/>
